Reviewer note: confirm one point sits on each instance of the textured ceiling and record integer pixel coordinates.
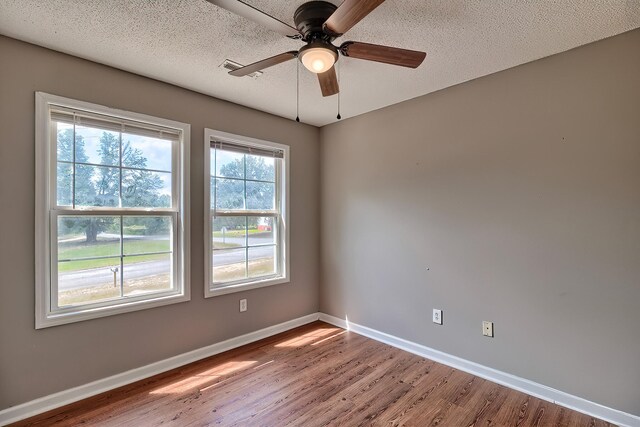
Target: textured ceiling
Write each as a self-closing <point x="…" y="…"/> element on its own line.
<point x="184" y="41"/>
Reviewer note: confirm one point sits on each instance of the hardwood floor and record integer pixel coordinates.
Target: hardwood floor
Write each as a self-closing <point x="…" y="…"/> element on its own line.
<point x="314" y="375"/>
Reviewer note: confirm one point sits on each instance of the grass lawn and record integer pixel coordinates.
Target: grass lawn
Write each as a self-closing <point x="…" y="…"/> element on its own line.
<point x="219" y="245"/>
<point x="109" y="248"/>
<point x="259" y="267"/>
<point x="238" y="233"/>
<point x="101" y="292"/>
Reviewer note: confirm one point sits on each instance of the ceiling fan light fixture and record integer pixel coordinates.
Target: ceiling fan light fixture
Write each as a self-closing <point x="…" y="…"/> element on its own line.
<point x="318" y="57"/>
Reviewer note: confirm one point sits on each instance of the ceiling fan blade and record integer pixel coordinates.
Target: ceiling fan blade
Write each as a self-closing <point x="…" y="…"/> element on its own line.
<point x="265" y="63"/>
<point x="348" y="14"/>
<point x="251" y="13"/>
<point x="386" y="54"/>
<point x="328" y="82"/>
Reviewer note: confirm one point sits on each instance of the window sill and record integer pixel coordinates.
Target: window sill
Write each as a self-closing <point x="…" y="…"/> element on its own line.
<point x="55" y="319"/>
<point x="240" y="287"/>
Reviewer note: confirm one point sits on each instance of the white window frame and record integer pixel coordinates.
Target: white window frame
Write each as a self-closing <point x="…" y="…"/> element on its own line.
<point x="211" y="135"/>
<point x="46" y="213"/>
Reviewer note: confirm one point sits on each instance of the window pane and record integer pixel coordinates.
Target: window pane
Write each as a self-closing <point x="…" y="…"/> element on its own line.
<point x="147" y="273"/>
<point x="229" y="165"/>
<point x="64" y="143"/>
<point x="261" y="168"/>
<point x="97" y="146"/>
<point x="229" y="193"/>
<point x="88" y="255"/>
<point x="146" y="152"/>
<point x="87" y="237"/>
<point x="229" y="232"/>
<point x="147" y="189"/>
<point x="262" y="261"/>
<point x="64" y="184"/>
<point x="229" y="264"/>
<point x="262" y="231"/>
<point x="89" y="281"/>
<point x="146" y="235"/>
<point x="261" y="195"/>
<point x="97" y="186"/>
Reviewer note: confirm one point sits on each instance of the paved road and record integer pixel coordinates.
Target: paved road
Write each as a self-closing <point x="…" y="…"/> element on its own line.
<point x="99" y="276"/>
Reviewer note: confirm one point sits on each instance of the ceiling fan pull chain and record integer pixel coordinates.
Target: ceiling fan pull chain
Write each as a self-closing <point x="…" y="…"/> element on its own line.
<point x="339" y="74"/>
<point x="298" y="91"/>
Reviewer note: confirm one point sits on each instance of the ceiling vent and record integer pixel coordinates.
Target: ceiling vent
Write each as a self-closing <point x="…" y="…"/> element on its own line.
<point x="232" y="65"/>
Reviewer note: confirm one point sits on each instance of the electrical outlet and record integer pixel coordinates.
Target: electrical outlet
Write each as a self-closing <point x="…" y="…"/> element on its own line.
<point x="243" y="305"/>
<point x="437" y="316"/>
<point x="487" y="328"/>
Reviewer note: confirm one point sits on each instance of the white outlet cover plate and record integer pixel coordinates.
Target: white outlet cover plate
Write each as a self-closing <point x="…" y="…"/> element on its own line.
<point x="437" y="316"/>
<point x="243" y="305"/>
<point x="487" y="329"/>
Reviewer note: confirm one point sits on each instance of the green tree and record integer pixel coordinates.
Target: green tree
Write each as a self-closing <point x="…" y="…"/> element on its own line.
<point x="230" y="192"/>
<point x="140" y="187"/>
<point x="108" y="182"/>
<point x="84" y="189"/>
<point x="107" y="186"/>
<point x="259" y="192"/>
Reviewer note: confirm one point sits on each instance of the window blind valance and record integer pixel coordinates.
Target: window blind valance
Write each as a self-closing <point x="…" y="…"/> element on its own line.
<point x="243" y="149"/>
<point x="93" y="120"/>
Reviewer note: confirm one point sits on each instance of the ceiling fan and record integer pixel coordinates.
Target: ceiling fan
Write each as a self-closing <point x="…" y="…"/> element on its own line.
<point x="318" y="24"/>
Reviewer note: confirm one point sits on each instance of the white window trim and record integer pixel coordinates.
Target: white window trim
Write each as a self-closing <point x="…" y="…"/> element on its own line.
<point x="215" y="135"/>
<point x="44" y="317"/>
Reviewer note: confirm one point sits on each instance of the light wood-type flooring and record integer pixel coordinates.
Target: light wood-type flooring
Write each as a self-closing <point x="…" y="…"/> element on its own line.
<point x="315" y="375"/>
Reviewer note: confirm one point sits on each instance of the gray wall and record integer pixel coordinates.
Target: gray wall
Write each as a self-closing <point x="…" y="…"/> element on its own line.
<point x="521" y="192"/>
<point x="35" y="363"/>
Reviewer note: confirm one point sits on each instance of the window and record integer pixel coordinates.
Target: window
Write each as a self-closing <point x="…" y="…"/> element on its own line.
<point x="112" y="232"/>
<point x="246" y="204"/>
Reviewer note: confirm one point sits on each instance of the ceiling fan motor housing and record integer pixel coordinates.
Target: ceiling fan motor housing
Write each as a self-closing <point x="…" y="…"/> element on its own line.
<point x="310" y="17"/>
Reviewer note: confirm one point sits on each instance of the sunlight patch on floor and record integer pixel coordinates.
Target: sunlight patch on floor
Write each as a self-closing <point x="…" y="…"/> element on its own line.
<point x="202" y="378"/>
<point x="308" y="338"/>
<point x="329" y="337"/>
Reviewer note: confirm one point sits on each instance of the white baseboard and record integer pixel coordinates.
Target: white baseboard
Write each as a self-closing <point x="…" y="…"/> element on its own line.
<point x="56" y="400"/>
<point x="43" y="404"/>
<point x="526" y="386"/>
